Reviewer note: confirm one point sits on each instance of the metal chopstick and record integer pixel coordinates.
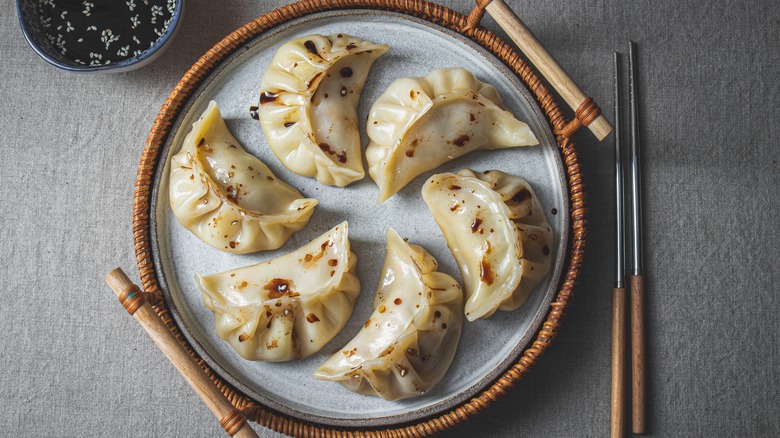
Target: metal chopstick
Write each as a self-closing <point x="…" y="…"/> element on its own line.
<point x="637" y="278"/>
<point x="618" y="292"/>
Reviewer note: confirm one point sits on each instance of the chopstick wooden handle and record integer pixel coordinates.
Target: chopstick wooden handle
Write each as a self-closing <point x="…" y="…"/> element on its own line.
<point x="618" y="362"/>
<point x="232" y="420"/>
<point x="543" y="61"/>
<point x="638" y="353"/>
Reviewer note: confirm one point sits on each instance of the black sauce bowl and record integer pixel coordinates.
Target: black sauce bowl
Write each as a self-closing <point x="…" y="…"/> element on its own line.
<point x="36" y="37"/>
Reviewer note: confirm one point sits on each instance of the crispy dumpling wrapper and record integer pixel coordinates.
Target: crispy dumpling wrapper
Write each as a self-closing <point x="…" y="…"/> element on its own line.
<point x="227" y="197"/>
<point x="408" y="343"/>
<point x="308" y="105"/>
<point x="417" y="124"/>
<point x="498" y="234"/>
<point x="289" y="307"/>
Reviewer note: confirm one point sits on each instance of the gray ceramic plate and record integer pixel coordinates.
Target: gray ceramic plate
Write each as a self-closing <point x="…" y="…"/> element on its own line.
<point x="487" y="348"/>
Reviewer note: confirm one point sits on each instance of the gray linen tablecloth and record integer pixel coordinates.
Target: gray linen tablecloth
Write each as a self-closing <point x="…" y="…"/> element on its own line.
<point x="73" y="364"/>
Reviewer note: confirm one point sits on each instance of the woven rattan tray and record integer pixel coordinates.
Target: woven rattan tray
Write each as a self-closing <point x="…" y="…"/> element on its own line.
<point x="445" y="415"/>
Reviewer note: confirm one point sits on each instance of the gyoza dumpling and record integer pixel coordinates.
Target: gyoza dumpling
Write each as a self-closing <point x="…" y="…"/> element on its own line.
<point x="418" y="124"/>
<point x="308" y="101"/>
<point x="408" y="343"/>
<point x="228" y="198"/>
<point x="498" y="233"/>
<point x="289" y="307"/>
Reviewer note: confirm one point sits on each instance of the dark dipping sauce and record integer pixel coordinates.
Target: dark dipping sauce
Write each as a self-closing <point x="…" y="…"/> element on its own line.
<point x="103" y="32"/>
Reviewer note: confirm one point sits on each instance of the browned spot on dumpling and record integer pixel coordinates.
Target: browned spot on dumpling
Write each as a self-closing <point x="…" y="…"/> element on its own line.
<point x="382" y="308"/>
<point x="350" y="353"/>
<point x="397" y="301"/>
<point x="333" y="262"/>
<point x="350" y="46"/>
<point x="471" y="117"/>
<point x="312" y="318"/>
<point x="273" y="344"/>
<point x="233" y="244"/>
<point x="233" y="193"/>
<point x="546" y="250"/>
<point x="455" y="207"/>
<point x="268" y="97"/>
<point x="278" y="287"/>
<point x="412" y="147"/>
<point x="461" y="140"/>
<point x="242" y="285"/>
<point x="269" y="178"/>
<point x="402" y="370"/>
<point x="436" y="315"/>
<point x="444" y="325"/>
<point x="341" y="157"/>
<point x="489" y="248"/>
<point x="288" y="124"/>
<point x="455" y="187"/>
<point x="268" y="311"/>
<point x="411" y="352"/>
<point x="368" y="323"/>
<point x="311" y="47"/>
<point x="310" y="260"/>
<point x="388" y="351"/>
<point x="243" y="337"/>
<point x="343" y="91"/>
<point x="486" y="273"/>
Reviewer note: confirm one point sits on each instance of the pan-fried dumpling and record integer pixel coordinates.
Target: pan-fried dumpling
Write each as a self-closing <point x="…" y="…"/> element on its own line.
<point x="308" y="105"/>
<point x="289" y="307"/>
<point x="498" y="233"/>
<point x="408" y="343"/>
<point x="228" y="198"/>
<point x="417" y="124"/>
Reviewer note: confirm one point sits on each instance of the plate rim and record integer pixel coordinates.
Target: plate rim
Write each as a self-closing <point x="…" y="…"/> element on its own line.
<point x="464" y="408"/>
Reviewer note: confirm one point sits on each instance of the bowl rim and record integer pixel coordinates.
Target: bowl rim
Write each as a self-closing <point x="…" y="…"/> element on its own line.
<point x="135" y="61"/>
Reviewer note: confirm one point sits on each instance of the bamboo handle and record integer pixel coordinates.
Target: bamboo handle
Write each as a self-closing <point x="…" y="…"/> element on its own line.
<point x="638" y="353"/>
<point x="232" y="420"/>
<point x="618" y="362"/>
<point x="543" y="61"/>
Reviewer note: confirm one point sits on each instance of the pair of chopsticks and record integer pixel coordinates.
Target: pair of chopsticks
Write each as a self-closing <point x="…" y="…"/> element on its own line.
<point x="637" y="279"/>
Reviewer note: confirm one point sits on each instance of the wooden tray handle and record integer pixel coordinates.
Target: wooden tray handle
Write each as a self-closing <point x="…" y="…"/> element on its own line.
<point x="133" y="299"/>
<point x="587" y="113"/>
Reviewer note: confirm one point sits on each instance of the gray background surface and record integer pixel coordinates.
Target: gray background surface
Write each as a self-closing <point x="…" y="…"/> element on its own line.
<point x="72" y="364"/>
